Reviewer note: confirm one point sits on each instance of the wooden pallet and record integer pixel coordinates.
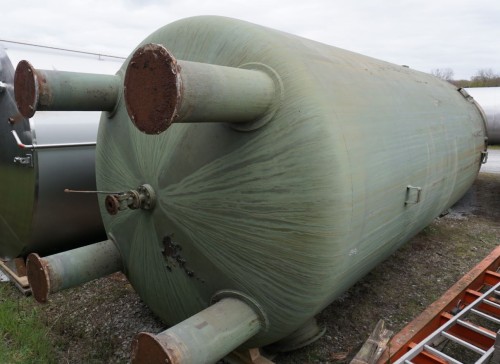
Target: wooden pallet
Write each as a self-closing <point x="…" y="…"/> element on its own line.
<point x="16" y="271"/>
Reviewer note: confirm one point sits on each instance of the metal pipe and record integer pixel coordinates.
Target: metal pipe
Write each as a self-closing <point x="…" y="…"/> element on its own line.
<point x="203" y="338"/>
<point x="63" y="91"/>
<point x="160" y="90"/>
<point x="71" y="268"/>
<point x="21" y="145"/>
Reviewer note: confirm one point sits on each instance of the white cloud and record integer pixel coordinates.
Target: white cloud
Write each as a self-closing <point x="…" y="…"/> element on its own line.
<point x="425" y="34"/>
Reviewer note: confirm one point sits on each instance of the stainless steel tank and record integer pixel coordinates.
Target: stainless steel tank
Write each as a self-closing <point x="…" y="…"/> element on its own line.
<point x="489" y="100"/>
<point x="40" y="157"/>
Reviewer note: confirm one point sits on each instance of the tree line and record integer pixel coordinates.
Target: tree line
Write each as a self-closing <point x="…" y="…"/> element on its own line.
<point x="484" y="77"/>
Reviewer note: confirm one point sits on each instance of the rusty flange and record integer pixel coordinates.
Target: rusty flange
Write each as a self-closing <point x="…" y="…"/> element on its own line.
<point x="147" y="349"/>
<point x="38" y="277"/>
<point x="26" y="88"/>
<point x="152" y="88"/>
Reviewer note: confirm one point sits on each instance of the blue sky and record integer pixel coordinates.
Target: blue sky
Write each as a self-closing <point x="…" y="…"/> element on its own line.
<point x="459" y="34"/>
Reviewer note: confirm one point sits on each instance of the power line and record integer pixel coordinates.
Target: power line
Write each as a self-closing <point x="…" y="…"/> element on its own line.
<point x="62" y="49"/>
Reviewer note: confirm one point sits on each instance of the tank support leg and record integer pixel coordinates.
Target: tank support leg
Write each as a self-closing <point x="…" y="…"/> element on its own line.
<point x="203" y="338"/>
<point x="71" y="268"/>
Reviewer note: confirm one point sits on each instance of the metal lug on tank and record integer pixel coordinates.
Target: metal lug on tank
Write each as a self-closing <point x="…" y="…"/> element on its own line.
<point x="203" y="338"/>
<point x="63" y="91"/>
<point x="161" y="90"/>
<point x="413" y="195"/>
<point x="143" y="197"/>
<point x="71" y="268"/>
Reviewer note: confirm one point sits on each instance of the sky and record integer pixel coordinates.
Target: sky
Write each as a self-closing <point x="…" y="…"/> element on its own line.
<point x="463" y="35"/>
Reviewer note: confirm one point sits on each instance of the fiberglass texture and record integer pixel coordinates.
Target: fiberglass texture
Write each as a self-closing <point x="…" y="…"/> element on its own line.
<point x="297" y="211"/>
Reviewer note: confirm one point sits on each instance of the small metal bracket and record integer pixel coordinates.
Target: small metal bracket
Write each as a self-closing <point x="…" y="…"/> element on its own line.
<point x="413" y="195"/>
<point x="27" y="160"/>
<point x="484" y="157"/>
<point x="466" y="95"/>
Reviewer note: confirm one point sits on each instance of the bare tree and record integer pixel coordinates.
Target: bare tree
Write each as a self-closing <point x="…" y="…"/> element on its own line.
<point x="485" y="77"/>
<point x="445" y="74"/>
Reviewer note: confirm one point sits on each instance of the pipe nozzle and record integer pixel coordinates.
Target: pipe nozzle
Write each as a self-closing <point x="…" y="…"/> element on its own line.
<point x="63" y="91"/>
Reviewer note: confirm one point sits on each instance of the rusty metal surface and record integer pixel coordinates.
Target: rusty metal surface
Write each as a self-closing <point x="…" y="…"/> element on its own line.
<point x="152" y="89"/>
<point x="143" y="197"/>
<point x="203" y="338"/>
<point x="147" y="349"/>
<point x="37" y="89"/>
<point x="72" y="268"/>
<point x="26" y="88"/>
<point x="430" y="319"/>
<point x="38" y="277"/>
<point x="159" y="90"/>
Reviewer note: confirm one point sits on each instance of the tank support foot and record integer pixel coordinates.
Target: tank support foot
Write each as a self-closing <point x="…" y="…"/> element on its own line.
<point x="71" y="268"/>
<point x="305" y="335"/>
<point x="203" y="338"/>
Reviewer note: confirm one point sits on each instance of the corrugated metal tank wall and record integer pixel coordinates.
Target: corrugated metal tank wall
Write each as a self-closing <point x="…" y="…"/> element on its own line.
<point x="294" y="213"/>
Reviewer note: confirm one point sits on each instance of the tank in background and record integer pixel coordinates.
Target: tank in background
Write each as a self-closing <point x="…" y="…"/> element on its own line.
<point x="53" y="151"/>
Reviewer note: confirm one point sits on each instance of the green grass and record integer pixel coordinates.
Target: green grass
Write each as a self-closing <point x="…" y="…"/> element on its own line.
<point x="23" y="336"/>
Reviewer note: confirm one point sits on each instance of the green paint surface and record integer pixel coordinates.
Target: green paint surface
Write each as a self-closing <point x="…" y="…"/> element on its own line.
<point x="294" y="213"/>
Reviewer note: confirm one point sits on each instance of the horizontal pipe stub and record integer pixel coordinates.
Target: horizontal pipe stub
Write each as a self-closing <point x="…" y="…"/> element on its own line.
<point x="71" y="268"/>
<point x="38" y="277"/>
<point x="160" y="90"/>
<point x="205" y="337"/>
<point x="152" y="89"/>
<point x="36" y="89"/>
<point x="143" y="197"/>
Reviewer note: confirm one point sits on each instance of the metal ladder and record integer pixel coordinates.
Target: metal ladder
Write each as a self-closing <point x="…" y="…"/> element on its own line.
<point x="477" y="338"/>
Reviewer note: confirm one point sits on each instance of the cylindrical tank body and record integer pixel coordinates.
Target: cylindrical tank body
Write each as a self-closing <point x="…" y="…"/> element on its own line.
<point x="36" y="214"/>
<point x="359" y="156"/>
<point x="489" y="100"/>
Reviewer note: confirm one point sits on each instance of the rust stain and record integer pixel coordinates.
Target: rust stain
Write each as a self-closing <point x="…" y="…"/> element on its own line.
<point x="112" y="204"/>
<point x="38" y="277"/>
<point x="152" y="89"/>
<point x="147" y="348"/>
<point x="26" y="89"/>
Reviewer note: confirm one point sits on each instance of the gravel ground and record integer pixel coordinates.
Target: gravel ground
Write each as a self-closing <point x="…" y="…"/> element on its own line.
<point x="96" y="322"/>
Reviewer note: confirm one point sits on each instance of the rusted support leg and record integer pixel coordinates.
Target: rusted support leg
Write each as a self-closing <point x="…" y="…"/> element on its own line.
<point x="203" y="338"/>
<point x="71" y="268"/>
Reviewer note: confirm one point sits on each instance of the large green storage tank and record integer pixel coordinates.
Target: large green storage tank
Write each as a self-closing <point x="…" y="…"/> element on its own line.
<point x="347" y="159"/>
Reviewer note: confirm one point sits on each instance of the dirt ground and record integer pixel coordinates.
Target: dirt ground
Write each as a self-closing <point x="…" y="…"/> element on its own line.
<point x="96" y="322"/>
<point x="412" y="278"/>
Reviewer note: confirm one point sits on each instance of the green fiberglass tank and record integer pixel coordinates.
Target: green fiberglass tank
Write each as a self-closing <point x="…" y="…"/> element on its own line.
<point x="254" y="167"/>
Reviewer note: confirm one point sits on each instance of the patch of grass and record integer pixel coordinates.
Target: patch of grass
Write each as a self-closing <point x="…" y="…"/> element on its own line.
<point x="23" y="336"/>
